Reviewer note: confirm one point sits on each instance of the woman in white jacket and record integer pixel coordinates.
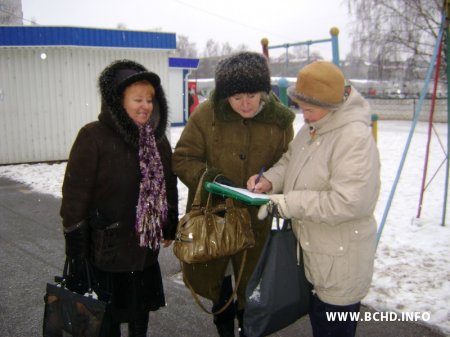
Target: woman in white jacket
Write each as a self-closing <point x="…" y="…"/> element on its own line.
<point x="328" y="183"/>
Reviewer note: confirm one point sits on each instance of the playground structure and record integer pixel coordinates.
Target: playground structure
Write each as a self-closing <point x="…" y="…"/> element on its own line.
<point x="282" y="82"/>
<point x="334" y="32"/>
<point x="433" y="66"/>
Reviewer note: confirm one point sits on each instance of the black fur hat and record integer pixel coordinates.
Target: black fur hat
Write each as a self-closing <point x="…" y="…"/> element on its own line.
<point x="112" y="82"/>
<point x="245" y="72"/>
<point x="120" y="74"/>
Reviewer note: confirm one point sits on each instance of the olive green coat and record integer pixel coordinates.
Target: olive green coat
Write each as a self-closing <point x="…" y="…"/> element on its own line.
<point x="219" y="139"/>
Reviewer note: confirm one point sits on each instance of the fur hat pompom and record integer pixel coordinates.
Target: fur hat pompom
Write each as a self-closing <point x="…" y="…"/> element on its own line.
<point x="321" y="84"/>
<point x="245" y="72"/>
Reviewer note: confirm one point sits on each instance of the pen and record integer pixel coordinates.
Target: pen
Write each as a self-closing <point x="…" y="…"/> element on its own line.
<point x="258" y="178"/>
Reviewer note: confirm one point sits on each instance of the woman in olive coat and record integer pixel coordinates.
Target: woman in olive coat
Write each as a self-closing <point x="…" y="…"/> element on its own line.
<point x="240" y="129"/>
<point x="120" y="200"/>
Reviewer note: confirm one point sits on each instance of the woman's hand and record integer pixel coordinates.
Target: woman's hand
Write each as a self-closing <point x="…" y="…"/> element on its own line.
<point x="262" y="186"/>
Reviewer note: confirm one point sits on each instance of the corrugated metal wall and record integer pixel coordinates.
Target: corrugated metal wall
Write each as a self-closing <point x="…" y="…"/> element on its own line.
<point x="44" y="102"/>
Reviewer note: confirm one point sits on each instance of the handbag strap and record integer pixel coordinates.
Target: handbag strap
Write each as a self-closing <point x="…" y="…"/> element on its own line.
<point x="196" y="204"/>
<point x="88" y="273"/>
<point x="287" y="223"/>
<point x="230" y="300"/>
<point x="198" y="193"/>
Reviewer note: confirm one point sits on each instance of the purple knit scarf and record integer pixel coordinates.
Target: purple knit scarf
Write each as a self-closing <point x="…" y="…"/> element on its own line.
<point x="151" y="212"/>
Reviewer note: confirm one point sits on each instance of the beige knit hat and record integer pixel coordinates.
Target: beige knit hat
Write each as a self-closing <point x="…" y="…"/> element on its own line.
<point x="320" y="83"/>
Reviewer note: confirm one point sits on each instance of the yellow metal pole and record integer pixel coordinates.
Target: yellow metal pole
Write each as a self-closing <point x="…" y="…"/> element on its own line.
<point x="375" y="127"/>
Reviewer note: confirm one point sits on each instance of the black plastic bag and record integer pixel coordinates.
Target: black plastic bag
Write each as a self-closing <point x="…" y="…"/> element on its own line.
<point x="68" y="313"/>
<point x="278" y="292"/>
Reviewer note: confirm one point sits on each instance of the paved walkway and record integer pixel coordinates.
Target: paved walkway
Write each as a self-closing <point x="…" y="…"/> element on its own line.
<point x="32" y="252"/>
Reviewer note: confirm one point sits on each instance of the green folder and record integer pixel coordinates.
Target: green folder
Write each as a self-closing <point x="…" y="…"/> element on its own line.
<point x="239" y="194"/>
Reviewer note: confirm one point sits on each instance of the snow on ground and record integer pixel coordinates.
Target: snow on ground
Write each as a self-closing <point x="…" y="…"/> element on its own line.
<point x="412" y="268"/>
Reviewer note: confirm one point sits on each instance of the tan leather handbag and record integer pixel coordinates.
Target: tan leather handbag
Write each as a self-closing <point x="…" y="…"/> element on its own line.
<point x="207" y="233"/>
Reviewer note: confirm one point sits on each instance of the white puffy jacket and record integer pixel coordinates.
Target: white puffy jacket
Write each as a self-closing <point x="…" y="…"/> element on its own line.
<point x="332" y="183"/>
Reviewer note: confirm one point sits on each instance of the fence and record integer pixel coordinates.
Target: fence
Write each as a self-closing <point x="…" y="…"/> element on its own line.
<point x="403" y="109"/>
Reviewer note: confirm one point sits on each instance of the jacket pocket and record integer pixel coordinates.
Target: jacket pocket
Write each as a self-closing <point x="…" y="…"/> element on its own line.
<point x="326" y="253"/>
<point x="98" y="220"/>
<point x="322" y="238"/>
<point x="326" y="271"/>
<point x="105" y="244"/>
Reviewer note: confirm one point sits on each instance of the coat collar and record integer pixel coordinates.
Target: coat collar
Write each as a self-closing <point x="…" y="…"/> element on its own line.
<point x="354" y="109"/>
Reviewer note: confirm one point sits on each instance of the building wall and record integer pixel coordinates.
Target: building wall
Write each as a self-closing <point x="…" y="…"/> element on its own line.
<point x="45" y="100"/>
<point x="176" y="97"/>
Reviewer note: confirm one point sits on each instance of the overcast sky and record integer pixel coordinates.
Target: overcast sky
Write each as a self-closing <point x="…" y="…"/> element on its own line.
<point x="233" y="21"/>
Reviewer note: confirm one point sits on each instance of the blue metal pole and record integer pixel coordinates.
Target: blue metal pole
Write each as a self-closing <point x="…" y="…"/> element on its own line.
<point x="309" y="42"/>
<point x="413" y="126"/>
<point x="282" y="91"/>
<point x="335" y="45"/>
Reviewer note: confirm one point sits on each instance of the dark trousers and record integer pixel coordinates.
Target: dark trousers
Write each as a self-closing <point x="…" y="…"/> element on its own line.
<point x="137" y="326"/>
<point x="337" y="323"/>
<point x="225" y="293"/>
<point x="225" y="320"/>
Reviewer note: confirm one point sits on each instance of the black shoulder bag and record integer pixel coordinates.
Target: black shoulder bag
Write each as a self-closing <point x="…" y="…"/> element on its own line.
<point x="72" y="313"/>
<point x="278" y="292"/>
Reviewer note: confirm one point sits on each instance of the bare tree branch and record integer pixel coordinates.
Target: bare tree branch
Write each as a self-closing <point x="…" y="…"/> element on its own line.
<point x="395" y="30"/>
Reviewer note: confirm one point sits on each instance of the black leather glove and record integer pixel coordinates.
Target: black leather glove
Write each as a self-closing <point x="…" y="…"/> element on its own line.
<point x="215" y="175"/>
<point x="77" y="240"/>
<point x="77" y="250"/>
<point x="210" y="174"/>
<point x="221" y="179"/>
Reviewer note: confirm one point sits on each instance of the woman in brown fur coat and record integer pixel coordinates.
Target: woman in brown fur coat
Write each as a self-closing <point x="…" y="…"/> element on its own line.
<point x="120" y="201"/>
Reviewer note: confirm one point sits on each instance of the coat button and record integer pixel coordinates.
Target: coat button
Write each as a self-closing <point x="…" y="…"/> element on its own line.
<point x="242" y="156"/>
<point x="245" y="122"/>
